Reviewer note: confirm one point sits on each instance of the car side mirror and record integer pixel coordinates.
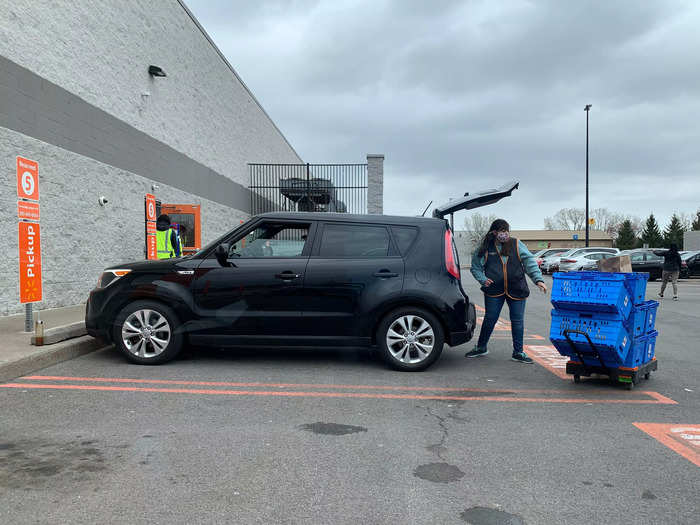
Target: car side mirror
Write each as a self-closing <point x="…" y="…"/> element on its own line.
<point x="221" y="254"/>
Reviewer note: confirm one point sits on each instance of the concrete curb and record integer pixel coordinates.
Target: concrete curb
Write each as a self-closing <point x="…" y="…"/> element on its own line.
<point x="61" y="333"/>
<point x="48" y="356"/>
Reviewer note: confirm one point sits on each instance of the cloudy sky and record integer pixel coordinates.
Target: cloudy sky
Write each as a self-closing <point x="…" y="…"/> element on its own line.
<point x="464" y="95"/>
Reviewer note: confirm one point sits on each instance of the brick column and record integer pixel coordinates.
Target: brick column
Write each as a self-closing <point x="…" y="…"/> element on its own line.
<point x="375" y="184"/>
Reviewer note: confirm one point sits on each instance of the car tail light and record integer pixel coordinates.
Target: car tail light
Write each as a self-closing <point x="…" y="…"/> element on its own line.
<point x="684" y="264"/>
<point x="450" y="256"/>
<point x="539" y="262"/>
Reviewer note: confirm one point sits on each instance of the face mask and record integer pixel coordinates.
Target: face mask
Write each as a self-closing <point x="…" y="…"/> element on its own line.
<point x="503" y="236"/>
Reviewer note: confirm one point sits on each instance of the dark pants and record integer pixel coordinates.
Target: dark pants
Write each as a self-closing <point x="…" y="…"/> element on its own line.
<point x="493" y="311"/>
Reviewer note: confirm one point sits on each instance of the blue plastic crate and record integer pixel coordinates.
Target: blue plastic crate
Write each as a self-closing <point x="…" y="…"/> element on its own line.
<point x="608" y="355"/>
<point x="592" y="292"/>
<point x="637" y="322"/>
<point x="650" y="351"/>
<point x="642" y="351"/>
<point x="652" y="307"/>
<point x="608" y="333"/>
<point x="642" y="318"/>
<point x="637" y="285"/>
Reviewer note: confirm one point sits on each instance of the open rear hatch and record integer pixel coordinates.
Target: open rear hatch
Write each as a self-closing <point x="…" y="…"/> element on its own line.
<point x="475" y="200"/>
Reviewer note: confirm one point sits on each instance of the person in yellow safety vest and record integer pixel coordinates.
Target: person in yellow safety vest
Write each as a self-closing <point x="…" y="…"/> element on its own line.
<point x="167" y="240"/>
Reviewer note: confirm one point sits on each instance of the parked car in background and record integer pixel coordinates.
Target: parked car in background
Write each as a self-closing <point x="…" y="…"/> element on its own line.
<point x="645" y="260"/>
<point x="690" y="264"/>
<point x="551" y="264"/>
<point x="583" y="262"/>
<point x="541" y="255"/>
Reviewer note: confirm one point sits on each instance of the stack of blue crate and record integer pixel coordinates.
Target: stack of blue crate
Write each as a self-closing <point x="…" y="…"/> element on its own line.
<point x="610" y="310"/>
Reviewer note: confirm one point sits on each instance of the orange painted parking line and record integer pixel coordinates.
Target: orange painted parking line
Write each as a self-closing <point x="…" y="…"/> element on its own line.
<point x="548" y="357"/>
<point x="249" y="384"/>
<point x="504" y="326"/>
<point x="665" y="400"/>
<point x="364" y="395"/>
<point x="681" y="438"/>
<point x="254" y="384"/>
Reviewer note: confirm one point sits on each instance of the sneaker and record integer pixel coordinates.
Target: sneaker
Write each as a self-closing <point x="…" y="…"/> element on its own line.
<point x="477" y="352"/>
<point x="675" y="297"/>
<point x="521" y="357"/>
<point x="661" y="295"/>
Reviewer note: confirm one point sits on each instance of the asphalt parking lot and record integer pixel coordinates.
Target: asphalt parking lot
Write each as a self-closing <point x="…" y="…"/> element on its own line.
<point x="332" y="436"/>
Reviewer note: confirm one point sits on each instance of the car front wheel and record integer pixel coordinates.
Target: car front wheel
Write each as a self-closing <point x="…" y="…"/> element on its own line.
<point x="410" y="339"/>
<point x="146" y="332"/>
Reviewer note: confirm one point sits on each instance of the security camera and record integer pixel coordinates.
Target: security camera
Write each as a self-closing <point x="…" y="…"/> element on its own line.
<point x="102" y="200"/>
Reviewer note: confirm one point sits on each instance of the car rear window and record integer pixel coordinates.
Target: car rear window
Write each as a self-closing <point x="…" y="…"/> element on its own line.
<point x="354" y="240"/>
<point x="404" y="237"/>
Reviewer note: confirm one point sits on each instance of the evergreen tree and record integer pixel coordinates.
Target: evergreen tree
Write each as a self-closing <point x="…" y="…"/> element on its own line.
<point x="696" y="222"/>
<point x="651" y="235"/>
<point x="626" y="240"/>
<point x="673" y="234"/>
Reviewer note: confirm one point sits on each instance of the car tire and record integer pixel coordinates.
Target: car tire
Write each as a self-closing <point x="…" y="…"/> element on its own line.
<point x="147" y="333"/>
<point x="403" y="336"/>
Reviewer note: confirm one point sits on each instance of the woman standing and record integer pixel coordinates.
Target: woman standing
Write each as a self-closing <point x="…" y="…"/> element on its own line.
<point x="671" y="270"/>
<point x="500" y="264"/>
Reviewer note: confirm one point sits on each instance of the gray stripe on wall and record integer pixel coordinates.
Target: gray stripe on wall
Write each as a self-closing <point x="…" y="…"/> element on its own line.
<point x="40" y="109"/>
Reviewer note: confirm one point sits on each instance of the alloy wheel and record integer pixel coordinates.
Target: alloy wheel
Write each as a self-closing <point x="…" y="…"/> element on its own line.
<point x="410" y="339"/>
<point x="146" y="333"/>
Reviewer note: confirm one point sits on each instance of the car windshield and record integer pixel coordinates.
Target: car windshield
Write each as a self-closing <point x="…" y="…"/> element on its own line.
<point x="552" y="253"/>
<point x="688" y="255"/>
<point x="218" y="240"/>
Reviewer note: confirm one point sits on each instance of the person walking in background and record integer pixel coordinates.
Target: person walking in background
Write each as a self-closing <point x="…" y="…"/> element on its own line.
<point x="167" y="240"/>
<point x="671" y="270"/>
<point x="500" y="265"/>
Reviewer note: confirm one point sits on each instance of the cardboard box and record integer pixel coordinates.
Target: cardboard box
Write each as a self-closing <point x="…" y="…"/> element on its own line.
<point x="621" y="263"/>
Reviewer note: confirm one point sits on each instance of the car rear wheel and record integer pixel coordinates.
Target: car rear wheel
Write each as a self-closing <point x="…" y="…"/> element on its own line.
<point x="410" y="339"/>
<point x="147" y="333"/>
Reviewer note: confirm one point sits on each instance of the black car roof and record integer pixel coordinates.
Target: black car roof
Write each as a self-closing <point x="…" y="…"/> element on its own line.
<point x="348" y="217"/>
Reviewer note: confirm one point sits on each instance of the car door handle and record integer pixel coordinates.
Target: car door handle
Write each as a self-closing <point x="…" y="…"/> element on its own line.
<point x="287" y="276"/>
<point x="385" y="273"/>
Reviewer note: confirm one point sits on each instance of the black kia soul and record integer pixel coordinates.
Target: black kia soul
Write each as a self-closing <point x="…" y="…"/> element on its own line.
<point x="298" y="279"/>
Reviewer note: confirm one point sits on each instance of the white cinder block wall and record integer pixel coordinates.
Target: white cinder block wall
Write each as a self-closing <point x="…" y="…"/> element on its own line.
<point x="76" y="97"/>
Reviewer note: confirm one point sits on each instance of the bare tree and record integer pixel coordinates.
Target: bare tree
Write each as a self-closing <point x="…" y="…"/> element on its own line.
<point x="686" y="220"/>
<point x="603" y="220"/>
<point x="637" y="225"/>
<point x="476" y="226"/>
<point x="566" y="219"/>
<point x="607" y="221"/>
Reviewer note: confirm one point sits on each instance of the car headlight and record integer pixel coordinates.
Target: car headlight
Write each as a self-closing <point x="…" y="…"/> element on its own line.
<point x="109" y="276"/>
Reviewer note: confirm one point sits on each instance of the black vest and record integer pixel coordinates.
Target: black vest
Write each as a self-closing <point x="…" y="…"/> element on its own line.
<point x="509" y="277"/>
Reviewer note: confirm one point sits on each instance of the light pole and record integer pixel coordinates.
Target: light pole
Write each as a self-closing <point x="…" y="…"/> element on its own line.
<point x="587" y="109"/>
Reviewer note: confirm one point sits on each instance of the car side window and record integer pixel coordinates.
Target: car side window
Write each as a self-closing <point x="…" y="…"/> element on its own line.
<point x="404" y="237"/>
<point x="271" y="239"/>
<point x="354" y="240"/>
<point x="637" y="257"/>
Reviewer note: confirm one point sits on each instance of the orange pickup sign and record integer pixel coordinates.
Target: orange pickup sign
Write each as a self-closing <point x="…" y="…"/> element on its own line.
<point x="30" y="290"/>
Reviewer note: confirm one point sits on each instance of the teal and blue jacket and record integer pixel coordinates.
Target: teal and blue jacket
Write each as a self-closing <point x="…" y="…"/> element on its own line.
<point x="507" y="273"/>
